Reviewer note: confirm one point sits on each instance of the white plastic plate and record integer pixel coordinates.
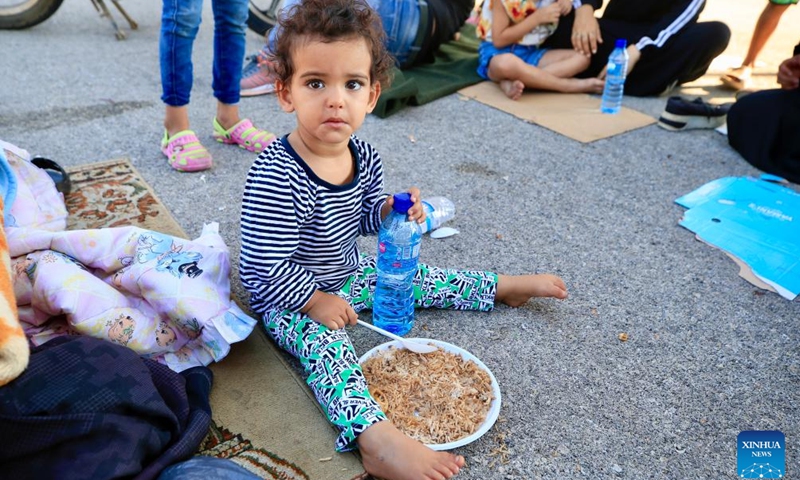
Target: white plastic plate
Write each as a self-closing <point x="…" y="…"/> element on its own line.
<point x="494" y="408"/>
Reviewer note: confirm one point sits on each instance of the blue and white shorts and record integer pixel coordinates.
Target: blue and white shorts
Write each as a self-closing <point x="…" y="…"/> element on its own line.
<point x="530" y="54"/>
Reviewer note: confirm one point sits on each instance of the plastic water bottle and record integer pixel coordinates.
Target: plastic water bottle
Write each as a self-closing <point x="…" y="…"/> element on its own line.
<point x="398" y="252"/>
<point x="437" y="211"/>
<point x="615" y="78"/>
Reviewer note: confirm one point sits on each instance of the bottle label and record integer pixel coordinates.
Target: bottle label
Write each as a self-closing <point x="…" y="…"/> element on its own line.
<point x="404" y="254"/>
<point x="428" y="216"/>
<point x="402" y="257"/>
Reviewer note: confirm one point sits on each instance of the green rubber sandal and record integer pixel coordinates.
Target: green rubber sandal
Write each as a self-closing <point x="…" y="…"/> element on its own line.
<point x="245" y="135"/>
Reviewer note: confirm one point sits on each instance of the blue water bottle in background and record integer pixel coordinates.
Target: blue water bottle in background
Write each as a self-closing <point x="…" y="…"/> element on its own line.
<point x="616" y="71"/>
<point x="398" y="252"/>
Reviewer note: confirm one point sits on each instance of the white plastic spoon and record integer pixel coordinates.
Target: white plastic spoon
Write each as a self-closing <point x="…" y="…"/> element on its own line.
<point x="408" y="344"/>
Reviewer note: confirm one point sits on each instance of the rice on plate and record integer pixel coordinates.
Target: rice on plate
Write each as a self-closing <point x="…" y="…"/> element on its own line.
<point x="444" y="399"/>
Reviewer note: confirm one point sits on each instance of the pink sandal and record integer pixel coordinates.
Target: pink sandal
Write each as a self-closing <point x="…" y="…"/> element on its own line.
<point x="245" y="135"/>
<point x="185" y="153"/>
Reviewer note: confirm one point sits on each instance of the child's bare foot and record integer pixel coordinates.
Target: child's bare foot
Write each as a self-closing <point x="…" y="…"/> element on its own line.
<point x="512" y="88"/>
<point x="390" y="454"/>
<point x="516" y="290"/>
<point x="588" y="85"/>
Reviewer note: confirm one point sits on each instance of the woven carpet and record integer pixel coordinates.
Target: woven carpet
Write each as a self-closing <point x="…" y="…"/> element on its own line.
<point x="113" y="194"/>
<point x="264" y="416"/>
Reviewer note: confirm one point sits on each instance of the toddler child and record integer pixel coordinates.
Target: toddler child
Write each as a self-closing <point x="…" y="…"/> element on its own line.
<point x="307" y="198"/>
<point x="510" y="54"/>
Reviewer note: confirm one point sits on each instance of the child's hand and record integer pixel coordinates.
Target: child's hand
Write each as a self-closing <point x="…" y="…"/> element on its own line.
<point x="416" y="212"/>
<point x="332" y="311"/>
<point x="548" y="14"/>
<point x="565" y="6"/>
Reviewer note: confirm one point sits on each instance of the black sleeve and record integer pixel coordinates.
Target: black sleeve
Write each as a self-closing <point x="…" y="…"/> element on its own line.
<point x="796" y="49"/>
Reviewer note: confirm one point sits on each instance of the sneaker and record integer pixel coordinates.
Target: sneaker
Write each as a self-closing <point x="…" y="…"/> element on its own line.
<point x="258" y="77"/>
<point x="682" y="114"/>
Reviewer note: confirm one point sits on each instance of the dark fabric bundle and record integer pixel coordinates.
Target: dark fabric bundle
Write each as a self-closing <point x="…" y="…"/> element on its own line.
<point x="454" y="67"/>
<point x="764" y="127"/>
<point x="88" y="408"/>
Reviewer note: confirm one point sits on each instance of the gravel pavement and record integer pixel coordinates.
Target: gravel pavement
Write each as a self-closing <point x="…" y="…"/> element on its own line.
<point x="708" y="355"/>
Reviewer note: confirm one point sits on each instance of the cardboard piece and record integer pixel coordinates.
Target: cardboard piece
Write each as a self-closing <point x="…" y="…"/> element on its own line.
<point x="755" y="222"/>
<point x="575" y="115"/>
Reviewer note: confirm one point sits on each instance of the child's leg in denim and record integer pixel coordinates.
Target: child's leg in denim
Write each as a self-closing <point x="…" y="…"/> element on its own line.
<point x="180" y="21"/>
<point x="230" y="24"/>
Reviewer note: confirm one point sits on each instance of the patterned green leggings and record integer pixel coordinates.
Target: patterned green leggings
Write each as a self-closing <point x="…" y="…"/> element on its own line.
<point x="328" y="356"/>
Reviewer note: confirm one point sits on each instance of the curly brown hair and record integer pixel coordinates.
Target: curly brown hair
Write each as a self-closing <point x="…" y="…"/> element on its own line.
<point x="331" y="21"/>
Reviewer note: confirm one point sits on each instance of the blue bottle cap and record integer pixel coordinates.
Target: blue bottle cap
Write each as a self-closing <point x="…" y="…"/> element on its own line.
<point x="621" y="43"/>
<point x="402" y="202"/>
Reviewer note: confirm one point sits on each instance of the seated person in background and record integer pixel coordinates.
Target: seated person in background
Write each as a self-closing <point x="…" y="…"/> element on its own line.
<point x="667" y="47"/>
<point x="511" y="54"/>
<point x="764" y="127"/>
<point x="739" y="78"/>
<point x="415" y="29"/>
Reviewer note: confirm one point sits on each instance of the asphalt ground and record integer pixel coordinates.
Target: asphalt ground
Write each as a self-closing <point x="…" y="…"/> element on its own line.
<point x="708" y="355"/>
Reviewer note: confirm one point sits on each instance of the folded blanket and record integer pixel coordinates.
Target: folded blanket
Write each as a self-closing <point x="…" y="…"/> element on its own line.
<point x="164" y="297"/>
<point x="454" y="68"/>
<point x="13" y="345"/>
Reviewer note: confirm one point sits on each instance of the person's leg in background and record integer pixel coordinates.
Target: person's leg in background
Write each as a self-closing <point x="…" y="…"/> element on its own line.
<point x="401" y="22"/>
<point x="180" y="21"/>
<point x="685" y="58"/>
<point x="446" y="18"/>
<point x="258" y="76"/>
<point x="739" y="78"/>
<point x="230" y="23"/>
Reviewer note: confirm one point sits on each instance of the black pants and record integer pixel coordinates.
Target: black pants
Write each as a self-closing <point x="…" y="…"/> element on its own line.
<point x="684" y="58"/>
<point x="445" y="19"/>
<point x="764" y="127"/>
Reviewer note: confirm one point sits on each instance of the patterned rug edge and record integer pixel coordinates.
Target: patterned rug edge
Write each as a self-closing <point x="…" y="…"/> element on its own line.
<point x="74" y="170"/>
<point x="222" y="443"/>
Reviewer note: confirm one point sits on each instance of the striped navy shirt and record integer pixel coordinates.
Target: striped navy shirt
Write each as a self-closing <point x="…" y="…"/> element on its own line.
<point x="298" y="231"/>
